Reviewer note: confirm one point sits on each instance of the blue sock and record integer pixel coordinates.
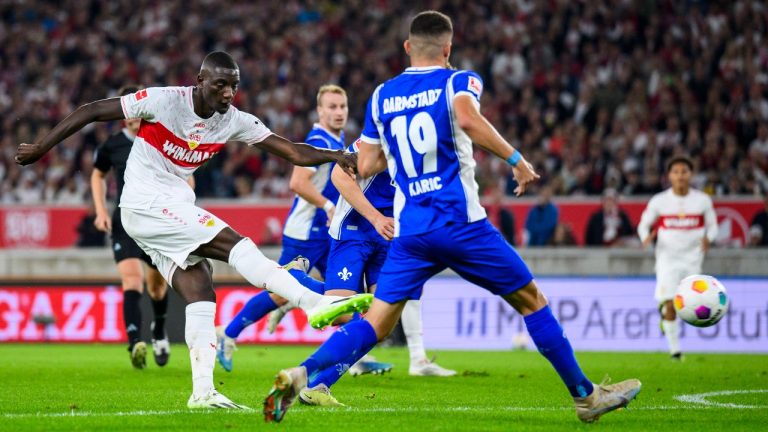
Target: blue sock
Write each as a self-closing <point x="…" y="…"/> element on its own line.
<point x="353" y="339"/>
<point x="552" y="344"/>
<point x="308" y="282"/>
<point x="331" y="374"/>
<point x="258" y="306"/>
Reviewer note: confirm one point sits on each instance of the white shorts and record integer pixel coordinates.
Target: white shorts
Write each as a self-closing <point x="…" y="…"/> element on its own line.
<point x="168" y="234"/>
<point x="669" y="275"/>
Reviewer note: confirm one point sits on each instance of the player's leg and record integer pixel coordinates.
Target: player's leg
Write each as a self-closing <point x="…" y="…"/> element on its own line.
<point x="243" y="255"/>
<point x="157" y="288"/>
<point x="481" y="255"/>
<point x="420" y="364"/>
<point x="195" y="286"/>
<point x="407" y="268"/>
<point x="132" y="280"/>
<point x="667" y="279"/>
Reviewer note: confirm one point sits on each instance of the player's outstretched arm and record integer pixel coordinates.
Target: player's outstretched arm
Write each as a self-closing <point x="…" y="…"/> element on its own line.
<point x="101" y="110"/>
<point x="306" y="155"/>
<point x="350" y="190"/>
<point x="482" y="133"/>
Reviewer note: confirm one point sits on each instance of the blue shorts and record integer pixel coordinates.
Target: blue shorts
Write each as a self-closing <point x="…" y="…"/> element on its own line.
<point x="476" y="251"/>
<point x="316" y="251"/>
<point x="355" y="264"/>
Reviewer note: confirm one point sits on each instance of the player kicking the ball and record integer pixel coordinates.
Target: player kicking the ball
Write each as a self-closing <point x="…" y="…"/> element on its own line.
<point x="421" y="125"/>
<point x="686" y="226"/>
<point x="181" y="128"/>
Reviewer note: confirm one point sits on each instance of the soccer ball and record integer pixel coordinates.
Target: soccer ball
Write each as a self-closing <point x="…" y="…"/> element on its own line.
<point x="701" y="300"/>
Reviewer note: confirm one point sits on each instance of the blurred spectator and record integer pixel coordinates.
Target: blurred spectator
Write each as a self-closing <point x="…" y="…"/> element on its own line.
<point x="609" y="226"/>
<point x="758" y="231"/>
<point x="596" y="93"/>
<point x="542" y="219"/>
<point x="563" y="236"/>
<point x="500" y="217"/>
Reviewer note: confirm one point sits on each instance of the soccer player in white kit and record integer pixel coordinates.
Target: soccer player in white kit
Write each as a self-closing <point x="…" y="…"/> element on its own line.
<point x="685" y="227"/>
<point x="181" y="128"/>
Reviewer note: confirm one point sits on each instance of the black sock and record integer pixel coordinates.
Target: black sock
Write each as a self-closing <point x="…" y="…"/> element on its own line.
<point x="160" y="307"/>
<point x="132" y="316"/>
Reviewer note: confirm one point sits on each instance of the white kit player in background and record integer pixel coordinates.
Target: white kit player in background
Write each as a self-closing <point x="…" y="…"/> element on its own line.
<point x="181" y="128"/>
<point x="686" y="225"/>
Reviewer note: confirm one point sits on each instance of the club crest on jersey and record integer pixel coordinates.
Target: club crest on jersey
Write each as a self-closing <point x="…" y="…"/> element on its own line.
<point x="344" y="274"/>
<point x="194" y="141"/>
<point x="475" y="86"/>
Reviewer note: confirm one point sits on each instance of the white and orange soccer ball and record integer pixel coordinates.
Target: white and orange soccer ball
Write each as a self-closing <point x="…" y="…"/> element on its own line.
<point x="701" y="300"/>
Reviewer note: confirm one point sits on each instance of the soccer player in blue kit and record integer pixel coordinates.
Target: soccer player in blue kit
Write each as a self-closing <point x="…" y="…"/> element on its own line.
<point x="421" y="125"/>
<point x="362" y="229"/>
<point x="306" y="227"/>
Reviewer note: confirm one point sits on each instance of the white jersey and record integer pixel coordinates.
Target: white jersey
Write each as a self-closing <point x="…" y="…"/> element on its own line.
<point x="683" y="221"/>
<point x="173" y="142"/>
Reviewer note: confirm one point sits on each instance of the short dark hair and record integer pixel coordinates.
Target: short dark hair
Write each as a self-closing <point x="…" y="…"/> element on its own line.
<point x="128" y="89"/>
<point x="679" y="159"/>
<point x="430" y="24"/>
<point x="220" y="59"/>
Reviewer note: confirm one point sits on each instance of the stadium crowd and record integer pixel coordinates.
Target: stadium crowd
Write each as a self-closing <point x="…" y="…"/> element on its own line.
<point x="598" y="94"/>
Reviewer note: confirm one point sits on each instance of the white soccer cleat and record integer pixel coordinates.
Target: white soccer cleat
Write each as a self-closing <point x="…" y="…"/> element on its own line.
<point x="298" y="263"/>
<point x="369" y="365"/>
<point x="426" y="367"/>
<point x="606" y="398"/>
<point x="162" y="350"/>
<point x="212" y="400"/>
<point x="277" y="315"/>
<point x="225" y="347"/>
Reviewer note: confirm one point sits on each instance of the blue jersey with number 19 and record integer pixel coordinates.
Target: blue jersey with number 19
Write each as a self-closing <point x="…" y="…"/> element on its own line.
<point x="429" y="156"/>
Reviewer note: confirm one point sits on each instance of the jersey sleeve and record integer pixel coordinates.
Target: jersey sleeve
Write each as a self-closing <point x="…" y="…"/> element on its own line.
<point x="370" y="132"/>
<point x="649" y="217"/>
<point x="467" y="83"/>
<point x="249" y="129"/>
<point x="101" y="159"/>
<point x="143" y="104"/>
<point x="710" y="220"/>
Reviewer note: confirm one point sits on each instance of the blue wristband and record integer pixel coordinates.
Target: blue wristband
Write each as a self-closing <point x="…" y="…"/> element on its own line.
<point x="515" y="158"/>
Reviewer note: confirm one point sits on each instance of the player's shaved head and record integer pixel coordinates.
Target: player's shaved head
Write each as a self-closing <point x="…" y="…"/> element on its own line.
<point x="218" y="61"/>
<point x="430" y="32"/>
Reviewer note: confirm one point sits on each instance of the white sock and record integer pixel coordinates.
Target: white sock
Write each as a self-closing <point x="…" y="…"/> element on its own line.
<point x="672" y="332"/>
<point x="262" y="272"/>
<point x="200" y="335"/>
<point x="411" y="319"/>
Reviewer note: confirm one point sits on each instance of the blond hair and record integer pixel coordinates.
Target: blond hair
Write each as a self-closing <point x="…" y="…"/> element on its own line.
<point x="330" y="88"/>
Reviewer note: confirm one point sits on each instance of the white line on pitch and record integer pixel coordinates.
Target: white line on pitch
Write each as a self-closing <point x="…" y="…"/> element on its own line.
<point x="300" y="411"/>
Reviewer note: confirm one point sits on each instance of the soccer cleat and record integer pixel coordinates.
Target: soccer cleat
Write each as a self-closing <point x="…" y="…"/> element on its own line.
<point x="319" y="395"/>
<point x="605" y="398"/>
<point x="298" y="263"/>
<point x="678" y="356"/>
<point x="277" y="315"/>
<point x="288" y="384"/>
<point x="426" y="367"/>
<point x="139" y="355"/>
<point x="369" y="365"/>
<point x="161" y="348"/>
<point x="225" y="346"/>
<point x="331" y="307"/>
<point x="213" y="399"/>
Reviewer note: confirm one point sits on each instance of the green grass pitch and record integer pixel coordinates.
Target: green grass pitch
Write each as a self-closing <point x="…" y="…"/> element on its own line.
<point x="93" y="387"/>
